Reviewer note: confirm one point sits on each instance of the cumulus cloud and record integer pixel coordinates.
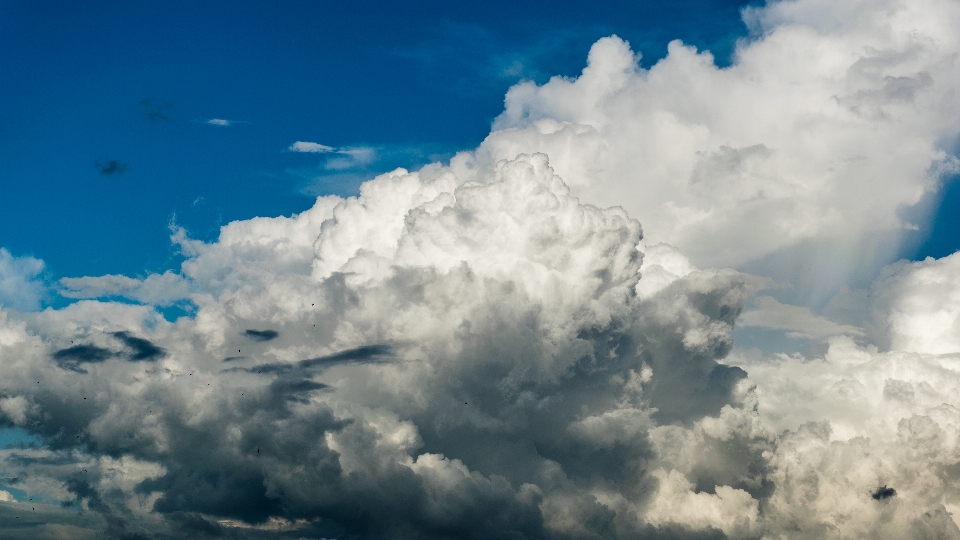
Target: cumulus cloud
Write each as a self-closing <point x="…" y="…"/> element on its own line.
<point x="916" y="306"/>
<point x="448" y="357"/>
<point x="20" y="284"/>
<point x="828" y="122"/>
<point x="477" y="350"/>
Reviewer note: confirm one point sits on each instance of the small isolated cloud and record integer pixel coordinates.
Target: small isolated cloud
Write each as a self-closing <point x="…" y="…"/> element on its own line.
<point x="310" y="147"/>
<point x="347" y="157"/>
<point x="111" y="167"/>
<point x="346" y="167"/>
<point x="222" y="122"/>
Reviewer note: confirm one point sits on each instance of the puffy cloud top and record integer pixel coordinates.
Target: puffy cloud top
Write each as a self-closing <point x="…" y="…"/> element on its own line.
<point x="832" y="117"/>
<point x="461" y="356"/>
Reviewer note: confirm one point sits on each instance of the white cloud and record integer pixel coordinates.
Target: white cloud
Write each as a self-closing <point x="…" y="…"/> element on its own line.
<point x="803" y="149"/>
<point x="473" y="349"/>
<point x="423" y="313"/>
<point x="352" y="157"/>
<point x="921" y="304"/>
<point x="310" y="147"/>
<point x="20" y="284"/>
<point x="159" y="289"/>
<point x="222" y="122"/>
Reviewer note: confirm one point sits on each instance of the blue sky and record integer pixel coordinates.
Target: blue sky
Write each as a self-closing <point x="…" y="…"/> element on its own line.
<point x="133" y="83"/>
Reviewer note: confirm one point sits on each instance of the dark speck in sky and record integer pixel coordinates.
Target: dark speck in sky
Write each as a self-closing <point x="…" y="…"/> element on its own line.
<point x="884" y="492"/>
<point x="111" y="167"/>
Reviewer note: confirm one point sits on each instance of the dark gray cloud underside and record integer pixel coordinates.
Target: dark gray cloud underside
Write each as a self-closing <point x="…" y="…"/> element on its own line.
<point x="368" y="354"/>
<point x="71" y="357"/>
<point x="261" y="335"/>
<point x="140" y="349"/>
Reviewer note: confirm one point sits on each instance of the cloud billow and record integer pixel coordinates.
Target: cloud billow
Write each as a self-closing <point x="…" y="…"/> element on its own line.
<point x="471" y="351"/>
<point x="825" y="128"/>
<point x="483" y="354"/>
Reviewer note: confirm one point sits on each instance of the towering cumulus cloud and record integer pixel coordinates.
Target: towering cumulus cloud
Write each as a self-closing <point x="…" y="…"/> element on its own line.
<point x="831" y="121"/>
<point x="432" y="359"/>
<point x="476" y="350"/>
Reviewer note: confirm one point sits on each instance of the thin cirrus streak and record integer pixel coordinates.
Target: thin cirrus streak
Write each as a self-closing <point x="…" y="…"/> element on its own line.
<point x="475" y="350"/>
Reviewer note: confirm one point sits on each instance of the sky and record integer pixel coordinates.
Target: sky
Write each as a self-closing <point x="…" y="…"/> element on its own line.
<point x="137" y="84"/>
<point x="499" y="270"/>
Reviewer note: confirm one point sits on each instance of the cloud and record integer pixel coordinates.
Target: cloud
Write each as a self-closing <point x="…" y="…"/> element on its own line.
<point x="820" y="130"/>
<point x="140" y="349"/>
<point x="459" y="356"/>
<point x="310" y="147"/>
<point x="352" y="157"/>
<point x="222" y="122"/>
<point x="111" y="167"/>
<point x="71" y="357"/>
<point x="478" y="350"/>
<point x="261" y="335"/>
<point x="797" y="321"/>
<point x="137" y="350"/>
<point x="20" y="284"/>
<point x="159" y="289"/>
<point x="916" y="306"/>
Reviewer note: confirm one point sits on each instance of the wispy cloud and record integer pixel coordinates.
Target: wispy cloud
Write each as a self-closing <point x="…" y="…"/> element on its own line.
<point x="797" y="321"/>
<point x="223" y="122"/>
<point x="347" y="157"/>
<point x="352" y="158"/>
<point x="310" y="147"/>
<point x="340" y="159"/>
<point x="344" y="168"/>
